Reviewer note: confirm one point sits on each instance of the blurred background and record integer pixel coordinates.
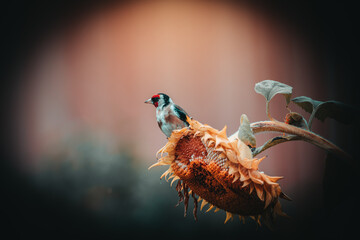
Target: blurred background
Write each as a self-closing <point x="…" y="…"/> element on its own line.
<point x="79" y="138"/>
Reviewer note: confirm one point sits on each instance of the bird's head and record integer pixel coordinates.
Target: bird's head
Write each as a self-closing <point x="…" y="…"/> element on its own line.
<point x="159" y="100"/>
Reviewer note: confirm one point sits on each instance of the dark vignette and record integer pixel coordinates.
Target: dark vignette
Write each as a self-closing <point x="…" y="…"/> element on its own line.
<point x="331" y="27"/>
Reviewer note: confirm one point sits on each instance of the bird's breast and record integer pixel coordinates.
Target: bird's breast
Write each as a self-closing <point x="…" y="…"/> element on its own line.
<point x="167" y="121"/>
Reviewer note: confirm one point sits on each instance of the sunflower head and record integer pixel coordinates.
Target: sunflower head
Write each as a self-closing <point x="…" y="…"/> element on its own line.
<point x="220" y="172"/>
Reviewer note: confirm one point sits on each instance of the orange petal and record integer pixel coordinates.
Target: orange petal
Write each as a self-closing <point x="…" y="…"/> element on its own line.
<point x="236" y="177"/>
<point x="255" y="177"/>
<point x="268" y="198"/>
<point x="245" y="183"/>
<point x="221" y="141"/>
<point x="211" y="207"/>
<point x="247" y="163"/>
<point x="222" y="133"/>
<point x="228" y="216"/>
<point x="244" y="177"/>
<point x="174" y="179"/>
<point x="198" y="133"/>
<point x="165" y="174"/>
<point x="274" y="179"/>
<point x="203" y="204"/>
<point x="259" y="191"/>
<point x="206" y="137"/>
<point x="231" y="156"/>
<point x="157" y="164"/>
<point x="251" y="187"/>
<point x="256" y="162"/>
<point x="232" y="170"/>
<point x="266" y="179"/>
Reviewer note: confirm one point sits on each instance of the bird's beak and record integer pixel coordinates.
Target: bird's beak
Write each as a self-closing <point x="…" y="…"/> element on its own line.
<point x="149" y="101"/>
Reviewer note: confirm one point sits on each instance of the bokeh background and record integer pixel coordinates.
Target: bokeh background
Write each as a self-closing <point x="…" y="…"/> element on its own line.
<point x="80" y="138"/>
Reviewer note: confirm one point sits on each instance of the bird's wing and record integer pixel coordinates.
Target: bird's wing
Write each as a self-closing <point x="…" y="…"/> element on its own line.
<point x="181" y="113"/>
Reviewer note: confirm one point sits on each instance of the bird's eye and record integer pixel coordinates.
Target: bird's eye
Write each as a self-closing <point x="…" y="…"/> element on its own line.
<point x="155" y="99"/>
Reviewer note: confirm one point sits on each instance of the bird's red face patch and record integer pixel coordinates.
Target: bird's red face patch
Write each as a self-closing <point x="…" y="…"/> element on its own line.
<point x="155" y="96"/>
<point x="155" y="100"/>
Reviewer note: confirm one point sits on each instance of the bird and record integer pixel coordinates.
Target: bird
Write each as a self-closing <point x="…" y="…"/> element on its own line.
<point x="169" y="116"/>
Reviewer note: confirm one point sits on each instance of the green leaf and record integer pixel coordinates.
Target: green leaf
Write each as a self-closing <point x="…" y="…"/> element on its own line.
<point x="306" y="103"/>
<point x="269" y="88"/>
<point x="339" y="111"/>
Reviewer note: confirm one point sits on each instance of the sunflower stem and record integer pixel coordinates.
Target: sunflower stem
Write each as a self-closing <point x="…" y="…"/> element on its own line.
<point x="274" y="141"/>
<point x="295" y="134"/>
<point x="268" y="111"/>
<point x="311" y="118"/>
<point x="301" y="134"/>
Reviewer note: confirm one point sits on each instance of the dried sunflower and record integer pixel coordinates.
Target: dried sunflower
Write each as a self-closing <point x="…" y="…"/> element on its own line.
<point x="221" y="171"/>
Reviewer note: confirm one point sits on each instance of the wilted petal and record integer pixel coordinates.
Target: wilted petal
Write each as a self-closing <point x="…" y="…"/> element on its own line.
<point x="251" y="187"/>
<point x="256" y="162"/>
<point x="255" y="177"/>
<point x="157" y="164"/>
<point x="231" y="156"/>
<point x="165" y="173"/>
<point x="219" y="148"/>
<point x="244" y="177"/>
<point x="244" y="150"/>
<point x="247" y="163"/>
<point x="274" y="178"/>
<point x="245" y="183"/>
<point x="228" y="216"/>
<point x="222" y="133"/>
<point x="220" y="141"/>
<point x="236" y="177"/>
<point x="203" y="204"/>
<point x="211" y="207"/>
<point x="175" y="178"/>
<point x="268" y="197"/>
<point x="266" y="179"/>
<point x="259" y="191"/>
<point x="198" y="133"/>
